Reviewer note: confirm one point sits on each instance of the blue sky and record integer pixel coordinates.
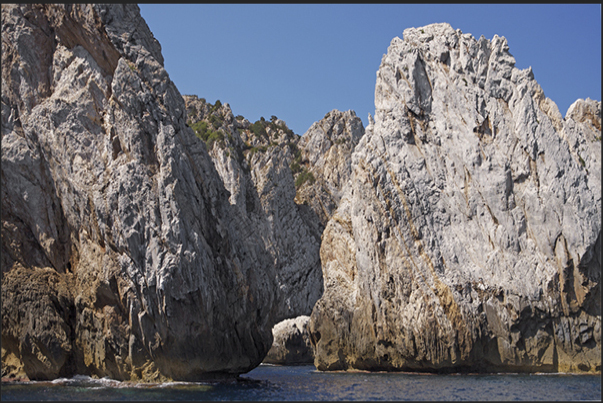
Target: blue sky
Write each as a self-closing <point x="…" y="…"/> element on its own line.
<point x="300" y="61"/>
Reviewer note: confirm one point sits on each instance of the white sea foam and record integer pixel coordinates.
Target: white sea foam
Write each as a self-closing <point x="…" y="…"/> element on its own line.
<point x="181" y="383"/>
<point x="75" y="378"/>
<point x="100" y="383"/>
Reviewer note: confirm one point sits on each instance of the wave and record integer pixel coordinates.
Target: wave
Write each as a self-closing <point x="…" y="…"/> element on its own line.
<point x="105" y="382"/>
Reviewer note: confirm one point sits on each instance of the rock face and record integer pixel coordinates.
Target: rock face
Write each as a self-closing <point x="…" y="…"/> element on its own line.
<point x="470" y="233"/>
<point x="287" y="186"/>
<point x="461" y="232"/>
<point x="326" y="148"/>
<point x="121" y="255"/>
<point x="291" y="345"/>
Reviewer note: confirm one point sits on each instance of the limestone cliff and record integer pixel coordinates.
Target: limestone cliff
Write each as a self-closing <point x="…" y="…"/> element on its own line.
<point x="325" y="164"/>
<point x="121" y="255"/>
<point x="470" y="233"/>
<point x="147" y="236"/>
<point x="287" y="185"/>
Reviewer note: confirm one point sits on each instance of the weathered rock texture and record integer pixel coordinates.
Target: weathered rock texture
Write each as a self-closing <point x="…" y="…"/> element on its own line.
<point x="287" y="186"/>
<point x="121" y="255"/>
<point x="470" y="235"/>
<point x="326" y="149"/>
<point x="291" y="345"/>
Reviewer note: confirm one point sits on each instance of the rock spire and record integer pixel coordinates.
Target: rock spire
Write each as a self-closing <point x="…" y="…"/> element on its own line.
<point x="470" y="234"/>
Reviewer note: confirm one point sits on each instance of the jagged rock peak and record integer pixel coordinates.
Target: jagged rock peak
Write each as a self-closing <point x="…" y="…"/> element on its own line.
<point x="326" y="148"/>
<point x="583" y="110"/>
<point x="335" y="128"/>
<point x="483" y="62"/>
<point x="469" y="235"/>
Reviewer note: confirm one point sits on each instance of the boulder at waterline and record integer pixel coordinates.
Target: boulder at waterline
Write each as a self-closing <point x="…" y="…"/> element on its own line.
<point x="291" y="345"/>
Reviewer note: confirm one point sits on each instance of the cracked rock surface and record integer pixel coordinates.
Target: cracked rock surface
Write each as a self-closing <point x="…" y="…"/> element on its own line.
<point x="288" y="186"/>
<point x="130" y="248"/>
<point x="121" y="255"/>
<point x="470" y="233"/>
<point x="150" y="236"/>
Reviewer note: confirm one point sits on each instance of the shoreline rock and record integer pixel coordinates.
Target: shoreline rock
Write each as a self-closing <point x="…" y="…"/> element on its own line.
<point x="460" y="231"/>
<point x="291" y="345"/>
<point x="121" y="255"/>
<point x="470" y="235"/>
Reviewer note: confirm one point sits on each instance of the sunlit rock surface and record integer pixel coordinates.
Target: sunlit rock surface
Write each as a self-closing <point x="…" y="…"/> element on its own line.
<point x="327" y="147"/>
<point x="288" y="186"/>
<point x="121" y="255"/>
<point x="462" y="231"/>
<point x="470" y="233"/>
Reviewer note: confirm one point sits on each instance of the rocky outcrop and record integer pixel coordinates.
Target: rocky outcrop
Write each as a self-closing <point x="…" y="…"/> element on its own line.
<point x="253" y="162"/>
<point x="291" y="345"/>
<point x="461" y="232"/>
<point x="285" y="184"/>
<point x="469" y="237"/>
<point x="121" y="255"/>
<point x="128" y="249"/>
<point x="324" y="161"/>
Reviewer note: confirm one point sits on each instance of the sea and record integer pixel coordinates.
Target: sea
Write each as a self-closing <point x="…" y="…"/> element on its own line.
<point x="300" y="383"/>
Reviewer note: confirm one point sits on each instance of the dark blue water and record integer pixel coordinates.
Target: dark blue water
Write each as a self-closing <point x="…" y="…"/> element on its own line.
<point x="305" y="383"/>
